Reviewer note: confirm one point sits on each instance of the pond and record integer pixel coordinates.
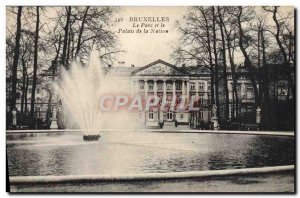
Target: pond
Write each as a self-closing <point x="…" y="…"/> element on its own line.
<point x="65" y="153"/>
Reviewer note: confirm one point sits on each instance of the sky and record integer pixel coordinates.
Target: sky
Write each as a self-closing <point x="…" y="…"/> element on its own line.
<point x="144" y="48"/>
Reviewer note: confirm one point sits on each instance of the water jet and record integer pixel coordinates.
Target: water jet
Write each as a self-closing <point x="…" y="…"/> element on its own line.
<point x="80" y="90"/>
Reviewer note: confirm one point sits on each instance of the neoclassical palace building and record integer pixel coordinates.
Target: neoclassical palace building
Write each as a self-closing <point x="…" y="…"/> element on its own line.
<point x="173" y="84"/>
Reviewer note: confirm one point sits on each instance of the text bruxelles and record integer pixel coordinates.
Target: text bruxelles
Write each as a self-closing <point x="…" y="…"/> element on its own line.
<point x="149" y="19"/>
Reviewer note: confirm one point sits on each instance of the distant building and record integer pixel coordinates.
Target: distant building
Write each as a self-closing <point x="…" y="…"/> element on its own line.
<point x="166" y="80"/>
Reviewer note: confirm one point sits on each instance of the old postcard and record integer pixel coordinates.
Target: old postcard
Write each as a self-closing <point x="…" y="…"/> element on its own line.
<point x="150" y="99"/>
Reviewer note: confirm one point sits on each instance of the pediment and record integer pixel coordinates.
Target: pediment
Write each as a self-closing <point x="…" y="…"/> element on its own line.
<point x="201" y="70"/>
<point x="158" y="68"/>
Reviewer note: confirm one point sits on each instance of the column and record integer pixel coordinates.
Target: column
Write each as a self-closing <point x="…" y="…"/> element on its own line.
<point x="174" y="88"/>
<point x="165" y="89"/>
<point x="155" y="87"/>
<point x="205" y="91"/>
<point x="230" y="90"/>
<point x="243" y="91"/>
<point x="146" y="88"/>
<point x="164" y="97"/>
<point x="187" y="90"/>
<point x="174" y="97"/>
<point x="182" y="88"/>
<point x="183" y="92"/>
<point x="137" y="86"/>
<point x="197" y="89"/>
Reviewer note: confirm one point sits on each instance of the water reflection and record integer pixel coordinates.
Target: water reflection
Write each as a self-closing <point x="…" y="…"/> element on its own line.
<point x="123" y="152"/>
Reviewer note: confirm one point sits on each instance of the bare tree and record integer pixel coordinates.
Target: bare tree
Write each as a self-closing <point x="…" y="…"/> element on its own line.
<point x="196" y="42"/>
<point x="91" y="31"/>
<point x="214" y="30"/>
<point x="26" y="55"/>
<point x="81" y="30"/>
<point x="35" y="65"/>
<point x="66" y="35"/>
<point x="231" y="35"/>
<point x="287" y="52"/>
<point x="224" y="65"/>
<point x="16" y="59"/>
<point x="243" y="44"/>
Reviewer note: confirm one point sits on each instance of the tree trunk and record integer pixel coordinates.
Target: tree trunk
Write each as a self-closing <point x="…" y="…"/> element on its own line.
<point x="224" y="67"/>
<point x="259" y="62"/>
<point x="49" y="107"/>
<point x="66" y="36"/>
<point x="216" y="62"/>
<point x="235" y="102"/>
<point x="277" y="35"/>
<point x="26" y="99"/>
<point x="23" y="85"/>
<point x="291" y="50"/>
<point x="68" y="48"/>
<point x="266" y="110"/>
<point x="212" y="74"/>
<point x="81" y="31"/>
<point x="248" y="63"/>
<point x="284" y="54"/>
<point x="55" y="62"/>
<point x="35" y="65"/>
<point x="16" y="60"/>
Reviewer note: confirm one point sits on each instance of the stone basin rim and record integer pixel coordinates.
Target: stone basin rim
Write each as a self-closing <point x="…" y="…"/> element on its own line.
<point x="275" y="133"/>
<point x="147" y="176"/>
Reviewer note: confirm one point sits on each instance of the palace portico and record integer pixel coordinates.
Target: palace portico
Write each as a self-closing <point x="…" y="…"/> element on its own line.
<point x="167" y="89"/>
<point x="171" y="85"/>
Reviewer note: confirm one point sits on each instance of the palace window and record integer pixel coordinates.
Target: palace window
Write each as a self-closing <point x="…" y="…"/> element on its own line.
<point x="155" y="116"/>
<point x="281" y="91"/>
<point x="141" y="86"/>
<point x="192" y="86"/>
<point x="159" y="86"/>
<point x="201" y="114"/>
<point x="179" y="99"/>
<point x="150" y="115"/>
<point x="169" y="115"/>
<point x="249" y="93"/>
<point x="178" y="86"/>
<point x="201" y="100"/>
<point x="282" y="88"/>
<point x="150" y="86"/>
<point x="201" y="86"/>
<point x="169" y="86"/>
<point x="238" y="89"/>
<point x="169" y="100"/>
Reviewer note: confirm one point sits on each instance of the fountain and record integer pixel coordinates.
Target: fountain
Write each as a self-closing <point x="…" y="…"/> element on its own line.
<point x="80" y="89"/>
